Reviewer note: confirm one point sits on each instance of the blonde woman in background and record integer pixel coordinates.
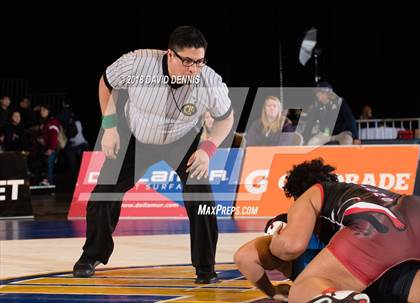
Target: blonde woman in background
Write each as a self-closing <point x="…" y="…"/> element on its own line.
<point x="273" y="128"/>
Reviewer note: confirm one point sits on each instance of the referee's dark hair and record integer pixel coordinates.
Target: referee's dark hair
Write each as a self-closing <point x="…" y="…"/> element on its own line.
<point x="187" y="37"/>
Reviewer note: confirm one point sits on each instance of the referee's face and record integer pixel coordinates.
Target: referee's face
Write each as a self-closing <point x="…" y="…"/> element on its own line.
<point x="179" y="63"/>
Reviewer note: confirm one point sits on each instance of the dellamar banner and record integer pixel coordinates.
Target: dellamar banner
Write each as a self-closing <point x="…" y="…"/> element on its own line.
<point x="159" y="192"/>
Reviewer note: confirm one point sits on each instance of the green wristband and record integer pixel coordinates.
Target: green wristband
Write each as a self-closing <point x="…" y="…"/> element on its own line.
<point x="109" y="121"/>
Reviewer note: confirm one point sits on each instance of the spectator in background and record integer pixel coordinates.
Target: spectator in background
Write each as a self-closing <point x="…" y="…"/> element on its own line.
<point x="4" y="111"/>
<point x="26" y="113"/>
<point x="50" y="127"/>
<point x="14" y="133"/>
<point x="273" y="128"/>
<point x="366" y="113"/>
<point x="76" y="145"/>
<point x="2" y="149"/>
<point x="320" y="119"/>
<point x="66" y="115"/>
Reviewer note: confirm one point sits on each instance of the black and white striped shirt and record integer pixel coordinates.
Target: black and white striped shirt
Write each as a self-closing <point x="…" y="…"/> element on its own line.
<point x="152" y="110"/>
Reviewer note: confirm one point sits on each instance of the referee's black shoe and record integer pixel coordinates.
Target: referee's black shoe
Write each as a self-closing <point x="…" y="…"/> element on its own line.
<point x="207" y="278"/>
<point x="85" y="267"/>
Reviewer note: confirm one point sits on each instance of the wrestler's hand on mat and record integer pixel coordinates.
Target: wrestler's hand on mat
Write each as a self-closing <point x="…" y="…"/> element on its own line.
<point x="110" y="142"/>
<point x="198" y="164"/>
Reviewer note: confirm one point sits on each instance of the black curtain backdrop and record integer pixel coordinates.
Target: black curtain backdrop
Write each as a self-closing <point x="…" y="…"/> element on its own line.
<point x="369" y="52"/>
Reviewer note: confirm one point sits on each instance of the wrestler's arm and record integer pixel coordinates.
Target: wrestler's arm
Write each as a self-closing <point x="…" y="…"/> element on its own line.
<point x="293" y="240"/>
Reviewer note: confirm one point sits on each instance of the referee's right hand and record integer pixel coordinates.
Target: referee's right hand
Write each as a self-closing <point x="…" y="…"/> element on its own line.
<point x="110" y="143"/>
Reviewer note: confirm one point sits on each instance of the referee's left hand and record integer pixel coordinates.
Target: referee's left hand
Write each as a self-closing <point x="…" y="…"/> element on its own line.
<point x="198" y="164"/>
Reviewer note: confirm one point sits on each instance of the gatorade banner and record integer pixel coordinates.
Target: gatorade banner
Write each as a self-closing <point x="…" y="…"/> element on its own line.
<point x="15" y="195"/>
<point x="159" y="192"/>
<point x="391" y="167"/>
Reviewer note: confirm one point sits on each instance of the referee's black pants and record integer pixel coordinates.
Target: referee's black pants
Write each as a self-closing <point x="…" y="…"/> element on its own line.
<point x="102" y="215"/>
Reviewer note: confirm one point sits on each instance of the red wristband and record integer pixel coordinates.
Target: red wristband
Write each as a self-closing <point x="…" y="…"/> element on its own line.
<point x="209" y="147"/>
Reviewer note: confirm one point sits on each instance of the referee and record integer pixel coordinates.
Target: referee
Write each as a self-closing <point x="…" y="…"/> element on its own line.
<point x="167" y="92"/>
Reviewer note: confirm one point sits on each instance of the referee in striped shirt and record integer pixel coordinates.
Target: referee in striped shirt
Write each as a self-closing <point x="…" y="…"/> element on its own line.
<point x="166" y="93"/>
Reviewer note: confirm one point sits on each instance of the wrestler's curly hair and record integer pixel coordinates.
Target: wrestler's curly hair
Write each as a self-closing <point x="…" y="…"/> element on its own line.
<point x="304" y="175"/>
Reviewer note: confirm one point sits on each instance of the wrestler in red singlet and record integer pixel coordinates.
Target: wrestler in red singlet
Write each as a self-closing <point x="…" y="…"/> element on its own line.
<point x="371" y="229"/>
